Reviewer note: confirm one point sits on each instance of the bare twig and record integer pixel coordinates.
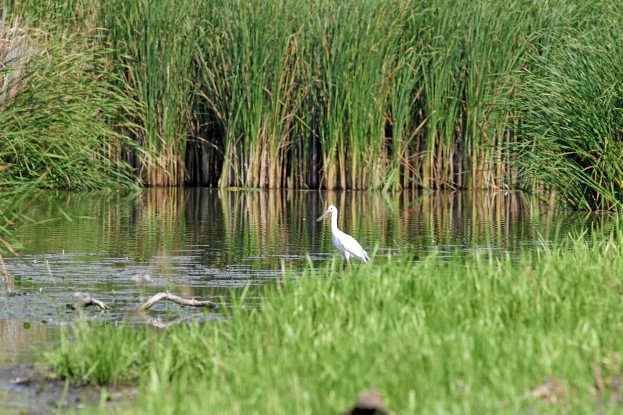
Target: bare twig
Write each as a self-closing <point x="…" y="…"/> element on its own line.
<point x="176" y="299"/>
<point x="86" y="300"/>
<point x="599" y="380"/>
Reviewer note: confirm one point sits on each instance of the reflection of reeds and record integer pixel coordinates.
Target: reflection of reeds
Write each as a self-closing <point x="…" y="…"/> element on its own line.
<point x="260" y="228"/>
<point x="17" y="342"/>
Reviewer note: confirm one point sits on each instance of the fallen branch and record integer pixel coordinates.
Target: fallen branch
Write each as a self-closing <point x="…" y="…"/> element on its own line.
<point x="176" y="299"/>
<point x="85" y="300"/>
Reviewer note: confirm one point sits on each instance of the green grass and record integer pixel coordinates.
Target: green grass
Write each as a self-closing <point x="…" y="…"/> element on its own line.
<point x="60" y="111"/>
<point x="572" y="119"/>
<point x="471" y="335"/>
<point x="152" y="49"/>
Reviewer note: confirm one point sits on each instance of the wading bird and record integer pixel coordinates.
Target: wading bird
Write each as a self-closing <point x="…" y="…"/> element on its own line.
<point x="346" y="244"/>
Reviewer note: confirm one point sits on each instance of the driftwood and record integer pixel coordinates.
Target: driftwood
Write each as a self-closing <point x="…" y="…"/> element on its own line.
<point x="176" y="299"/>
<point x="85" y="300"/>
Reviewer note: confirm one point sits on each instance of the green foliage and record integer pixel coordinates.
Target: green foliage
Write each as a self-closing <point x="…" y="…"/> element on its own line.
<point x="361" y="94"/>
<point x="353" y="94"/>
<point x="153" y="47"/>
<point x="59" y="111"/>
<point x="438" y="336"/>
<point x="106" y="355"/>
<point x="572" y="119"/>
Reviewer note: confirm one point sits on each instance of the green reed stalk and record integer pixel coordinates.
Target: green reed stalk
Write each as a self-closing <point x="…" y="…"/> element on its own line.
<point x="154" y="49"/>
<point x="329" y="44"/>
<point x="248" y="68"/>
<point x="367" y="97"/>
<point x="403" y="117"/>
<point x="487" y="79"/>
<point x="441" y="91"/>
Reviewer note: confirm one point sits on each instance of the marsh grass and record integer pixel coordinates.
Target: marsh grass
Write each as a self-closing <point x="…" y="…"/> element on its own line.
<point x="152" y="45"/>
<point x="387" y="95"/>
<point x="477" y="334"/>
<point x="572" y="117"/>
<point x="58" y="111"/>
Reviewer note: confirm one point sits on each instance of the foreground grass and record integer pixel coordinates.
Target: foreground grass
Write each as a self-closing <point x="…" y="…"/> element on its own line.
<point x="469" y="335"/>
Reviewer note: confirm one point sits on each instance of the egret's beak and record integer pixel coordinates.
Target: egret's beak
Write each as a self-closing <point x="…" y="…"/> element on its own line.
<point x="322" y="216"/>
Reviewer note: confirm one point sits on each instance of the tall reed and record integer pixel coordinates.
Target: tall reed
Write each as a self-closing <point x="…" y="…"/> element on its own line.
<point x="247" y="70"/>
<point x="153" y="50"/>
<point x="381" y="94"/>
<point x="354" y="94"/>
<point x="572" y="116"/>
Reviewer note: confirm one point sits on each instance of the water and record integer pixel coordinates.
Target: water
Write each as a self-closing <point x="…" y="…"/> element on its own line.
<point x="204" y="243"/>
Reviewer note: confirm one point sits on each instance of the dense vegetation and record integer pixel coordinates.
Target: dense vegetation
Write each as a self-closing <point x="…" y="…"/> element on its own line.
<point x="447" y="336"/>
<point x="283" y="93"/>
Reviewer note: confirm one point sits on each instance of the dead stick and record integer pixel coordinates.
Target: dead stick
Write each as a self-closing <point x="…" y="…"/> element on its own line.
<point x="176" y="299"/>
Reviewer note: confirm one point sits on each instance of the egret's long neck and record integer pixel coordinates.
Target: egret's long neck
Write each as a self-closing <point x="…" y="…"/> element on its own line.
<point x="334" y="222"/>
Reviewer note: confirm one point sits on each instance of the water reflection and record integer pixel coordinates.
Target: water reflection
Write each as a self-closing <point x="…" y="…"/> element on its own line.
<point x="204" y="242"/>
<point x="259" y="229"/>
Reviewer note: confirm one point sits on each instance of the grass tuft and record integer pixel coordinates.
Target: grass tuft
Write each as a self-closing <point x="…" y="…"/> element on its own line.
<point x="59" y="111"/>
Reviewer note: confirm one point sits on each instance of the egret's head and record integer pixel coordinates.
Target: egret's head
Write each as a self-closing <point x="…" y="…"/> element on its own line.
<point x="330" y="209"/>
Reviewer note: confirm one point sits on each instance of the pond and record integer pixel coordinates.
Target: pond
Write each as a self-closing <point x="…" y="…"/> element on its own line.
<point x="207" y="243"/>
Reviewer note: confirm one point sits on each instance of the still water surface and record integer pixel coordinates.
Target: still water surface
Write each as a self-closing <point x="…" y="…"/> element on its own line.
<point x="204" y="243"/>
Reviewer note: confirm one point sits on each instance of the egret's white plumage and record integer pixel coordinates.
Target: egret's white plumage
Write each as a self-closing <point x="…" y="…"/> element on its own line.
<point x="346" y="244"/>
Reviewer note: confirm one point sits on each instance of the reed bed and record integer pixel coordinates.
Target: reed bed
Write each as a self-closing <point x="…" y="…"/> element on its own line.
<point x="58" y="111"/>
<point x="460" y="335"/>
<point x="572" y="119"/>
<point x="369" y="94"/>
<point x="153" y="46"/>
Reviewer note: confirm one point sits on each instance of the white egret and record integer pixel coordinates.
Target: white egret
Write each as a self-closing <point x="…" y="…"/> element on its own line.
<point x="346" y="244"/>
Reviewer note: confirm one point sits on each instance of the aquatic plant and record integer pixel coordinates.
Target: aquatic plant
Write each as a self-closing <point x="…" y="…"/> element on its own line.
<point x="58" y="112"/>
<point x="386" y="95"/>
<point x="152" y="48"/>
<point x="572" y="119"/>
